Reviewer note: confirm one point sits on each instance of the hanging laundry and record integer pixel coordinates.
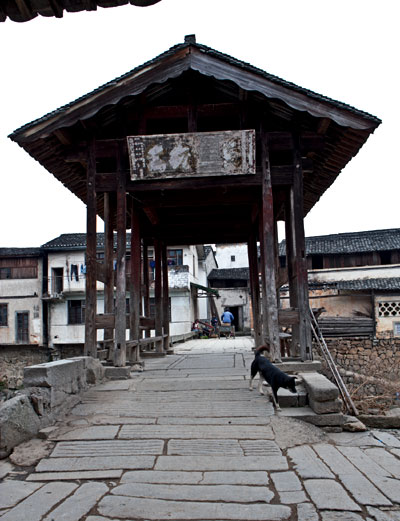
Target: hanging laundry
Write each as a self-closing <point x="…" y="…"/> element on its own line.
<point x="74" y="272"/>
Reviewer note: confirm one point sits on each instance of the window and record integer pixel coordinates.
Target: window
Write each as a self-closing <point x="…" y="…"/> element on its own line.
<point x="233" y="258"/>
<point x="57" y="282"/>
<point x="175" y="257"/>
<point x="18" y="268"/>
<point x="5" y="273"/>
<point x="385" y="257"/>
<point x="389" y="308"/>
<point x="396" y="328"/>
<point x="3" y="315"/>
<point x="76" y="312"/>
<point x="317" y="262"/>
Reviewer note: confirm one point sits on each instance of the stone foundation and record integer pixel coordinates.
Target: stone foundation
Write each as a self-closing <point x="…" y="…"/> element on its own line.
<point x="13" y="359"/>
<point x="370" y="368"/>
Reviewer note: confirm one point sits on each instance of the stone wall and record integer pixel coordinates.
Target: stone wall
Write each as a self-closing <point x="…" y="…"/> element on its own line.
<point x="370" y="368"/>
<point x="13" y="359"/>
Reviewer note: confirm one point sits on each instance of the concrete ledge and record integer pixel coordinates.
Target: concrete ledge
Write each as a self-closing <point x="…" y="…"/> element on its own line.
<point x="319" y="388"/>
<point x="117" y="373"/>
<point x="299" y="367"/>
<point x="308" y="415"/>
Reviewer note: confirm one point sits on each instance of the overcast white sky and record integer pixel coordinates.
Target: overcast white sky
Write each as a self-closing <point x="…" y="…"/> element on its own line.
<point x="345" y="49"/>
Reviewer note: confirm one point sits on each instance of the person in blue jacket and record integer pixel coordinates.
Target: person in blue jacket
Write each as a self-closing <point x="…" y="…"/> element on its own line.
<point x="227" y="317"/>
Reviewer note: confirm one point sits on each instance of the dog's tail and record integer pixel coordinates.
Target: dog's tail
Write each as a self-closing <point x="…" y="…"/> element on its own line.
<point x="261" y="349"/>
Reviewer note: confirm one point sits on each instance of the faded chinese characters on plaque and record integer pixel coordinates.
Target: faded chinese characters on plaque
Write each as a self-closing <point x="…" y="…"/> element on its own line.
<point x="192" y="154"/>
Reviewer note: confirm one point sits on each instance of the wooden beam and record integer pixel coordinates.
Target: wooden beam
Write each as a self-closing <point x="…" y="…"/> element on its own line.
<point x="158" y="294"/>
<point x="270" y="306"/>
<point x="255" y="288"/>
<point x="109" y="210"/>
<point x="135" y="295"/>
<point x="146" y="283"/>
<point x="165" y="296"/>
<point x="119" y="356"/>
<point x="90" y="348"/>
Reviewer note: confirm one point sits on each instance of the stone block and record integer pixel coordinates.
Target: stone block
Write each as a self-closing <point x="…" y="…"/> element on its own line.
<point x="308" y="415"/>
<point x="327" y="407"/>
<point x="319" y="388"/>
<point x="299" y="367"/>
<point x="117" y="373"/>
<point x="94" y="369"/>
<point x="65" y="375"/>
<point x="18" y="422"/>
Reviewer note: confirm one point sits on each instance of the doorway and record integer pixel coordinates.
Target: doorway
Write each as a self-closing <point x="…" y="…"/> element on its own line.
<point x="237" y="312"/>
<point x="22" y="329"/>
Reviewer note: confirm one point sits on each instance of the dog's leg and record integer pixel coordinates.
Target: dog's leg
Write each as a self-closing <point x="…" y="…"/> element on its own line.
<point x="260" y="384"/>
<point x="253" y="373"/>
<point x="274" y="395"/>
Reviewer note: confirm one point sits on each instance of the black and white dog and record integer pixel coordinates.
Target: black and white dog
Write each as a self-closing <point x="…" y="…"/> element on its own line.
<point x="271" y="374"/>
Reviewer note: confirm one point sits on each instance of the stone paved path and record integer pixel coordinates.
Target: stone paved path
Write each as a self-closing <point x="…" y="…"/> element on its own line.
<point x="187" y="440"/>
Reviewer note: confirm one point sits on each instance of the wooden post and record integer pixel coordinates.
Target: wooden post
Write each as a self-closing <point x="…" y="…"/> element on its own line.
<point x="158" y="295"/>
<point x="109" y="210"/>
<point x="263" y="314"/>
<point x="90" y="348"/>
<point x="135" y="294"/>
<point x="165" y="299"/>
<point x="120" y="303"/>
<point x="270" y="307"/>
<point x="146" y="284"/>
<point x="300" y="268"/>
<point x="255" y="288"/>
<point x="291" y="269"/>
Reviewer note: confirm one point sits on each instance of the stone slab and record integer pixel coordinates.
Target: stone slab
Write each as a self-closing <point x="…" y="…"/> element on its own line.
<point x="117" y="373"/>
<point x="248" y="420"/>
<point x="205" y="463"/>
<point x="354" y="439"/>
<point x="236" y="478"/>
<point x="40" y="502"/>
<point x="72" y="476"/>
<point x="386" y="438"/>
<point x="306" y="512"/>
<point x="300" y="367"/>
<point x="225" y="493"/>
<point x="61" y="374"/>
<point x="108" y="448"/>
<point x="106" y="432"/>
<point x="386" y="460"/>
<point x="356" y="483"/>
<point x="116" y="420"/>
<point x="5" y="468"/>
<point x="95" y="463"/>
<point x="286" y="481"/>
<point x="326" y="407"/>
<point x="379" y="515"/>
<point x="195" y="431"/>
<point x="319" y="388"/>
<point x="292" y="498"/>
<point x="341" y="516"/>
<point x="12" y="492"/>
<point x="160" y="510"/>
<point x="308" y="415"/>
<point x="206" y="447"/>
<point x="307" y="464"/>
<point x="79" y="504"/>
<point x="205" y="478"/>
<point x="327" y="494"/>
<point x="380" y="422"/>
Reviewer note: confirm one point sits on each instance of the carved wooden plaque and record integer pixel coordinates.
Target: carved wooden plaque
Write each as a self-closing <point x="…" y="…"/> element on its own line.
<point x="192" y="155"/>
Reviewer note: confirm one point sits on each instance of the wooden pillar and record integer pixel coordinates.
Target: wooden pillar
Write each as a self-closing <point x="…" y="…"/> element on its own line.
<point x="263" y="315"/>
<point x="299" y="254"/>
<point x="255" y="288"/>
<point x="120" y="302"/>
<point x="158" y="294"/>
<point x="135" y="284"/>
<point x="90" y="348"/>
<point x="109" y="211"/>
<point x="270" y="307"/>
<point x="165" y="299"/>
<point x="146" y="284"/>
<point x="291" y="269"/>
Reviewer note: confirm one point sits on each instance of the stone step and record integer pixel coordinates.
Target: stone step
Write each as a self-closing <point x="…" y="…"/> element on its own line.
<point x="308" y="415"/>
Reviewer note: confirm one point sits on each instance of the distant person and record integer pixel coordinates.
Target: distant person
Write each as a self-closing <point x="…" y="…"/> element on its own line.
<point x="227" y="317"/>
<point x="214" y="323"/>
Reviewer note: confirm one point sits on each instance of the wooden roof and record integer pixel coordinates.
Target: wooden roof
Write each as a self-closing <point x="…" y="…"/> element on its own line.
<point x="221" y="93"/>
<point x="25" y="10"/>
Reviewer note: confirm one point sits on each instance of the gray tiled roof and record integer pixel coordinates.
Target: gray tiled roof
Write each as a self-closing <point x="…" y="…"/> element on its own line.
<point x="229" y="274"/>
<point x="77" y="241"/>
<point x="355" y="242"/>
<point x="383" y="284"/>
<point x="210" y="52"/>
<point x="19" y="252"/>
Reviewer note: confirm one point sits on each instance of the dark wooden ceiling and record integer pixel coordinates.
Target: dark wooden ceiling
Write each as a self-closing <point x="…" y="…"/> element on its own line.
<point x="192" y="87"/>
<point x="25" y="10"/>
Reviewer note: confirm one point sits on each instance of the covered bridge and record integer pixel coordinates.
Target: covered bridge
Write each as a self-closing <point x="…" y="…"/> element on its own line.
<point x="196" y="147"/>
